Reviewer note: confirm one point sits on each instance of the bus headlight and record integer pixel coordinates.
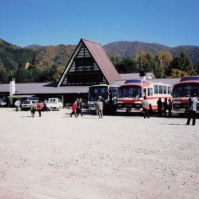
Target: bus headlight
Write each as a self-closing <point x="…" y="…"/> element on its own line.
<point x="176" y="105"/>
<point x="91" y="102"/>
<point x="119" y="105"/>
<point x="138" y="105"/>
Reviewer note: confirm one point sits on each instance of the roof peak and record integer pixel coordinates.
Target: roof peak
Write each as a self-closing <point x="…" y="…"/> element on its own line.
<point x="90" y="41"/>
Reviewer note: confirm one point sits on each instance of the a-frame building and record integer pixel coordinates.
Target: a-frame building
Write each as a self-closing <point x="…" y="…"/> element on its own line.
<point x="89" y="65"/>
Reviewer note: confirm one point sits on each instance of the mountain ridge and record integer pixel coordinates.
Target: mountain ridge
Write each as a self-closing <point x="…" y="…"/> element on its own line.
<point x="46" y="56"/>
<point x="129" y="49"/>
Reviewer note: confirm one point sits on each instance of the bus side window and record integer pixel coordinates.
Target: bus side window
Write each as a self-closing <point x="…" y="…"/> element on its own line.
<point x="150" y="91"/>
<point x="156" y="89"/>
<point x="160" y="89"/>
<point x="169" y="89"/>
<point x="165" y="90"/>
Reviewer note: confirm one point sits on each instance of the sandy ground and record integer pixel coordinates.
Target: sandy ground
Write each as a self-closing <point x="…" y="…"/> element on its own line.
<point x="117" y="157"/>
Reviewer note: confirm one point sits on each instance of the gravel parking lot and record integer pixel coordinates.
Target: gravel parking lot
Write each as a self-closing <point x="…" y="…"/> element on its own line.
<point x="117" y="157"/>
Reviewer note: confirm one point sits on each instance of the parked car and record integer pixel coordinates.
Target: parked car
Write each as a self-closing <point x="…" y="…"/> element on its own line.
<point x="54" y="104"/>
<point x="27" y="104"/>
<point x="2" y="102"/>
<point x="23" y="99"/>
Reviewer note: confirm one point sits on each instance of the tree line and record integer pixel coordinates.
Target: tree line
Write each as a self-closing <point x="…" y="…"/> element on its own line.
<point x="32" y="74"/>
<point x="162" y="65"/>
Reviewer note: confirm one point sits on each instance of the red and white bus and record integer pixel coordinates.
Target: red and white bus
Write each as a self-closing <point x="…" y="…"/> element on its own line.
<point x="182" y="91"/>
<point x="132" y="92"/>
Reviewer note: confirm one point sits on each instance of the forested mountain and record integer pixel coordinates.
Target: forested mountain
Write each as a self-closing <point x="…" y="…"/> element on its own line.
<point x="44" y="56"/>
<point x="130" y="49"/>
<point x="191" y="51"/>
<point x="36" y="63"/>
<point x="38" y="56"/>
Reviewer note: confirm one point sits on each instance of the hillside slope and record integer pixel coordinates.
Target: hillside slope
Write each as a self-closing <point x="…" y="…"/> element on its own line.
<point x="41" y="56"/>
<point x="46" y="56"/>
<point x="130" y="49"/>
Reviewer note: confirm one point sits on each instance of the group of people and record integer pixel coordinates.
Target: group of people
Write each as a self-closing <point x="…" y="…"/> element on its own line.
<point x="77" y="108"/>
<point x="39" y="107"/>
<point x="35" y="107"/>
<point x="164" y="106"/>
<point x="167" y="105"/>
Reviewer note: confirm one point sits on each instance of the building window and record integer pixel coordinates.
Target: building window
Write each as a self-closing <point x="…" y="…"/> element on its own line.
<point x="84" y="61"/>
<point x="87" y="79"/>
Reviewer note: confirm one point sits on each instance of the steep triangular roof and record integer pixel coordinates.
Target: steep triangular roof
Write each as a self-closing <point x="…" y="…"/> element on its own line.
<point x="103" y="61"/>
<point x="100" y="57"/>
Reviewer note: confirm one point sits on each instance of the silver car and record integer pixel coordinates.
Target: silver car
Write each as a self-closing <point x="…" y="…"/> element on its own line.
<point x="27" y="104"/>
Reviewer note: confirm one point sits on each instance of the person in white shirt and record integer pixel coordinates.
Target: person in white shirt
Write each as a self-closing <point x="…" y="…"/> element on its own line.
<point x="17" y="104"/>
<point x="145" y="105"/>
<point x="192" y="109"/>
<point x="99" y="107"/>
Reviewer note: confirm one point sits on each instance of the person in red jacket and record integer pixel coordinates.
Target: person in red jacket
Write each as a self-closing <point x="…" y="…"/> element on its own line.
<point x="39" y="108"/>
<point x="74" y="109"/>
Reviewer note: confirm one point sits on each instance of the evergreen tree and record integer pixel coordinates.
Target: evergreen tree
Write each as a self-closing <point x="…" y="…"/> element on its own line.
<point x="22" y="75"/>
<point x="4" y="77"/>
<point x="196" y="68"/>
<point x="126" y="65"/>
<point x="182" y="63"/>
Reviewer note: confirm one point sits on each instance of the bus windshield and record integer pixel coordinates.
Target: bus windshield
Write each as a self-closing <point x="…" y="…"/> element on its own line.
<point x="185" y="90"/>
<point x="95" y="92"/>
<point x="130" y="91"/>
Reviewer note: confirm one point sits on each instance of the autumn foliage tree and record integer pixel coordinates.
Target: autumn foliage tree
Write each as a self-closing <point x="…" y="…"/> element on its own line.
<point x="164" y="60"/>
<point x="176" y="73"/>
<point x="162" y="64"/>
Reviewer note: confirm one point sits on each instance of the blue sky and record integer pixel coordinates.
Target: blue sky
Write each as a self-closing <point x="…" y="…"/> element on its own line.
<point x="53" y="22"/>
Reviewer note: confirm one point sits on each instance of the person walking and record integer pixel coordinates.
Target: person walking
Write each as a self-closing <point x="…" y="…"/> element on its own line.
<point x="170" y="106"/>
<point x="33" y="108"/>
<point x="159" y="103"/>
<point x="74" y="109"/>
<point x="165" y="107"/>
<point x="17" y="104"/>
<point x="99" y="108"/>
<point x="45" y="105"/>
<point x="145" y="105"/>
<point x="79" y="105"/>
<point x="192" y="109"/>
<point x="39" y="108"/>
